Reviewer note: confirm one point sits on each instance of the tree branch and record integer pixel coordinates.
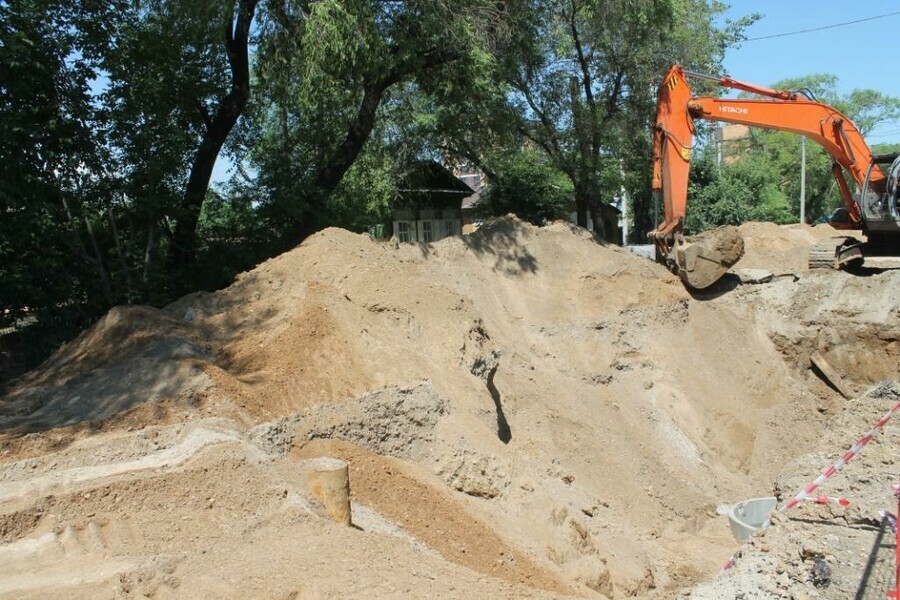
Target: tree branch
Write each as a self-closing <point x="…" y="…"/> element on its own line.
<point x="548" y="126"/>
<point x="612" y="102"/>
<point x="582" y="60"/>
<point x="587" y="85"/>
<point x="231" y="106"/>
<point x="204" y="114"/>
<point x="472" y="156"/>
<point x="358" y="133"/>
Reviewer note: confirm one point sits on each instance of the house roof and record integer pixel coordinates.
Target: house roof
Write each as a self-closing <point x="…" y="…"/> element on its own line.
<point x="428" y="183"/>
<point x="430" y="176"/>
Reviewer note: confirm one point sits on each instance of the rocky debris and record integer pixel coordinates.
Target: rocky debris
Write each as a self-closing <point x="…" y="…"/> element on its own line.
<point x="396" y="421"/>
<point x="726" y="240"/>
<point x="274" y="438"/>
<point x="820" y="574"/>
<point x="477" y="353"/>
<point x="475" y="474"/>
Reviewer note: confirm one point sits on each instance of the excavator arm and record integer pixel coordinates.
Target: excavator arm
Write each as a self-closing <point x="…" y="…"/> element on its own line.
<point x="673" y="136"/>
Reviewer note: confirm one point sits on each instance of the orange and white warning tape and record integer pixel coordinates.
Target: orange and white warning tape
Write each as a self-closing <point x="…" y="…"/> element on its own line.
<point x="826" y="499"/>
<point x="841" y="462"/>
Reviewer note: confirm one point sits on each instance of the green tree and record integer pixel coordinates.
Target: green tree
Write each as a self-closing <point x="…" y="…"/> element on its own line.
<point x="53" y="259"/>
<point x="526" y="185"/>
<point x="179" y="80"/>
<point x="329" y="72"/>
<point x="583" y="77"/>
<point x="105" y="106"/>
<point x="164" y="75"/>
<point x="219" y="118"/>
<point x="733" y="193"/>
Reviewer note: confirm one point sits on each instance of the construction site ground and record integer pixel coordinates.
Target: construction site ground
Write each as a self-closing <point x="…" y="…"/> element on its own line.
<point x="526" y="413"/>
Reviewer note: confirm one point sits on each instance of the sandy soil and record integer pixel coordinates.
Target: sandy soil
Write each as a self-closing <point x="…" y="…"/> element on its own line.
<point x="526" y="414"/>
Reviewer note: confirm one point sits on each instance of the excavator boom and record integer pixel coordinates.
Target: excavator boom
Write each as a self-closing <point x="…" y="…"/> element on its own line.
<point x="673" y="136"/>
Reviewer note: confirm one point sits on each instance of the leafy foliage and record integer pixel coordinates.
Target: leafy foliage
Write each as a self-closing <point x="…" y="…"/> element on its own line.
<point x="737" y="192"/>
<point x="527" y="186"/>
<point x="50" y="156"/>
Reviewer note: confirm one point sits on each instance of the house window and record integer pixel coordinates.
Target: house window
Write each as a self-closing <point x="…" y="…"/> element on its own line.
<point x="403" y="231"/>
<point x="427" y="232"/>
<point x="449" y="228"/>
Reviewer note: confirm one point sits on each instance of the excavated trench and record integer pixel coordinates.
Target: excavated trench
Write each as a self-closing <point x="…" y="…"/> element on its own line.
<point x="524" y="412"/>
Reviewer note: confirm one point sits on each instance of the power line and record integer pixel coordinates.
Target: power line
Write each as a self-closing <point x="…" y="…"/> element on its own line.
<point x="884" y="134"/>
<point x="776" y="35"/>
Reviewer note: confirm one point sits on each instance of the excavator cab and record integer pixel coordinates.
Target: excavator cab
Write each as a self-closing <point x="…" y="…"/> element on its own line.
<point x="880" y="205"/>
<point x="880" y="198"/>
<point x="877" y="194"/>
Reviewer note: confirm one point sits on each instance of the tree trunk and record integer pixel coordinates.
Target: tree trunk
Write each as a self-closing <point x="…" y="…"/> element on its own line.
<point x="120" y="252"/>
<point x="357" y="136"/>
<point x="597" y="222"/>
<point x="581" y="209"/>
<point x="329" y="177"/>
<point x="184" y="240"/>
<point x="101" y="270"/>
<point x="593" y="204"/>
<point x="148" y="257"/>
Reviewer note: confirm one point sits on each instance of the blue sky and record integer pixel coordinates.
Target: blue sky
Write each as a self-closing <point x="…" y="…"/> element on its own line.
<point x="861" y="55"/>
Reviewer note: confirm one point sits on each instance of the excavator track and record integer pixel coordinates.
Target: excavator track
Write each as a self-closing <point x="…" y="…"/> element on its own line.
<point x="835" y="253"/>
<point x="822" y="256"/>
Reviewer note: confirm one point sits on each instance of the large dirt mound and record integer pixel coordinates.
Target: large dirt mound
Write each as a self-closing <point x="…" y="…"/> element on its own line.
<point x="782" y="248"/>
<point x="526" y="411"/>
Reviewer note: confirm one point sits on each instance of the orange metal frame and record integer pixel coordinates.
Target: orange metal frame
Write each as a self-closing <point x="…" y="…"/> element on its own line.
<point x="673" y="136"/>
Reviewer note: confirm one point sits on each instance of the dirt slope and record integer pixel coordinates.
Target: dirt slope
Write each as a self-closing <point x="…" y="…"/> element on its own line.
<point x="525" y="413"/>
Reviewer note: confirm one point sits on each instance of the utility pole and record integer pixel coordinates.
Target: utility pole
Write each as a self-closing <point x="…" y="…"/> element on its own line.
<point x="719" y="139"/>
<point x="803" y="179"/>
<point x="624" y="197"/>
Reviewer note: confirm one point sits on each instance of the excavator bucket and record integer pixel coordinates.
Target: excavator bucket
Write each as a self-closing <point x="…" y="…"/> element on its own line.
<point x="704" y="259"/>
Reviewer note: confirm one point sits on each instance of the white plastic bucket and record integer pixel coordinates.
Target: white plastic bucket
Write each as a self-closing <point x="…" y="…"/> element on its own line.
<point x="750" y="515"/>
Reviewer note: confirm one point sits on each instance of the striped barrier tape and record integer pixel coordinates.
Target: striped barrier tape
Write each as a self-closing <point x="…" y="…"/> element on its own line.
<point x="826" y="499"/>
<point x="841" y="462"/>
<point x="729" y="563"/>
<point x="827" y="474"/>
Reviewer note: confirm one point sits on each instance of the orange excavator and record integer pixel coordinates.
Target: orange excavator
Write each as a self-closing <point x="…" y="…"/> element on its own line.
<point x="875" y="210"/>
